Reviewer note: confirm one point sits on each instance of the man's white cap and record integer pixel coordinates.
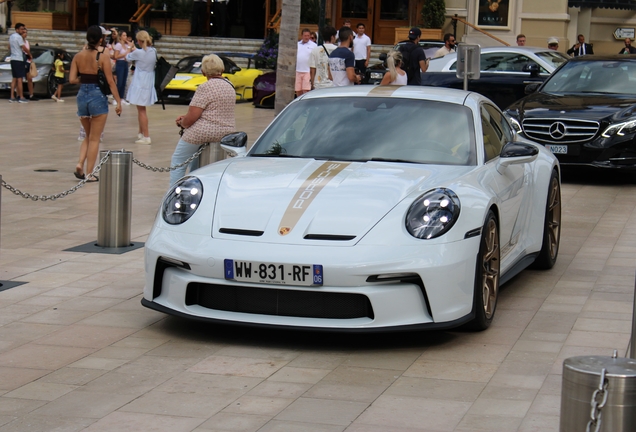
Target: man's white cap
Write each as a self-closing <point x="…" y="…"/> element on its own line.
<point x="553" y="40"/>
<point x="104" y="31"/>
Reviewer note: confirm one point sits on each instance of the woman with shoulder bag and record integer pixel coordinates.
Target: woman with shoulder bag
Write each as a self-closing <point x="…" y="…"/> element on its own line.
<point x="92" y="103"/>
<point x="142" y="88"/>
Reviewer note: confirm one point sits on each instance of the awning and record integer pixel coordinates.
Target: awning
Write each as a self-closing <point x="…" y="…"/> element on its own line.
<point x="607" y="4"/>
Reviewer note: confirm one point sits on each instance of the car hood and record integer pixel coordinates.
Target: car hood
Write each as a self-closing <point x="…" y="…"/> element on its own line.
<point x="291" y="200"/>
<point x="187" y="79"/>
<point x="579" y="106"/>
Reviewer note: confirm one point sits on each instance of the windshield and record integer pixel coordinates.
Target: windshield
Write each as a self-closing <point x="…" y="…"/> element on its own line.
<point x="41" y="56"/>
<point x="554" y="58"/>
<point x="365" y="128"/>
<point x="594" y="76"/>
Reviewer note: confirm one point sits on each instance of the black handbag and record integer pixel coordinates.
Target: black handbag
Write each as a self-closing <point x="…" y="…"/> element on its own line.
<point x="102" y="82"/>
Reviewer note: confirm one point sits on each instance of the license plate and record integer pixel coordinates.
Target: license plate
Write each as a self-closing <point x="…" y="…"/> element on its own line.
<point x="557" y="149"/>
<point x="173" y="96"/>
<point x="273" y="273"/>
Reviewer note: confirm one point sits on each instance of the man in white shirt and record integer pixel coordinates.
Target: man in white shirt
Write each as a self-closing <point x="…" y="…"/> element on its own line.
<point x="319" y="72"/>
<point x="449" y="46"/>
<point x="361" y="49"/>
<point x="18" y="71"/>
<point x="305" y="46"/>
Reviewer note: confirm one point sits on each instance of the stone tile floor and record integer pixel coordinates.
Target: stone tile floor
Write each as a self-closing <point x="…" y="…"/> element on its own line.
<point x="79" y="352"/>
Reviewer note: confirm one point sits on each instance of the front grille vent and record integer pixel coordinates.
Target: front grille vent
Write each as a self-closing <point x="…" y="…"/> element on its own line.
<point x="242" y="232"/>
<point x="279" y="302"/>
<point x="329" y="237"/>
<point x="560" y="131"/>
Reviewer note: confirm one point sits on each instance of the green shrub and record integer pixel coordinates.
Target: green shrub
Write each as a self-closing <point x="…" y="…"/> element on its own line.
<point x="434" y="14"/>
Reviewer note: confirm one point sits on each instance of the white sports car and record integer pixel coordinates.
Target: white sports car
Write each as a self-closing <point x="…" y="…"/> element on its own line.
<point x="359" y="208"/>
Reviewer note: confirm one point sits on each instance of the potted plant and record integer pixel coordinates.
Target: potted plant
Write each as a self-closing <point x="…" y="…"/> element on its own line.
<point x="433" y="19"/>
<point x="267" y="55"/>
<point x="433" y="15"/>
<point x="29" y="15"/>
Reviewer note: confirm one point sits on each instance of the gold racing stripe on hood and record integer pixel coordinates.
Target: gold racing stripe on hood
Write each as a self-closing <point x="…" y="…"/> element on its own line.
<point x="381" y="90"/>
<point x="307" y="193"/>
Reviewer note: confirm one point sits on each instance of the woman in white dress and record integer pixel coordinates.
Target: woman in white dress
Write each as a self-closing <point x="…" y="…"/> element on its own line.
<point x="142" y="88"/>
<point x="395" y="76"/>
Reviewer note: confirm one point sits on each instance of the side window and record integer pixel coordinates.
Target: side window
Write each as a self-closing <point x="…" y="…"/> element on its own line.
<point x="495" y="129"/>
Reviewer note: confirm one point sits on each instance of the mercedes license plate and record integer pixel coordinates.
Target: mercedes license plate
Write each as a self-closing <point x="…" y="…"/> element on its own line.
<point x="557" y="149"/>
<point x="273" y="273"/>
<point x="173" y="96"/>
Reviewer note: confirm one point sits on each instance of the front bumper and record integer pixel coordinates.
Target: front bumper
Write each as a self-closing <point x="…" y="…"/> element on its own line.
<point x="438" y="295"/>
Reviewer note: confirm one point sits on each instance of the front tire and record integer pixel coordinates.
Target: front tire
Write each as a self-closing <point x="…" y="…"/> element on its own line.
<point x="486" y="275"/>
<point x="51" y="85"/>
<point x="551" y="227"/>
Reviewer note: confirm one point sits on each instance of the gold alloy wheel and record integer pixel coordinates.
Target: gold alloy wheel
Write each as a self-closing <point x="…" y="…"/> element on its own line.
<point x="554" y="217"/>
<point x="490" y="268"/>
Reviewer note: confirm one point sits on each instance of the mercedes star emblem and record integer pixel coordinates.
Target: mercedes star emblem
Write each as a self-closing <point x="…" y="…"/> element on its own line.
<point x="558" y="130"/>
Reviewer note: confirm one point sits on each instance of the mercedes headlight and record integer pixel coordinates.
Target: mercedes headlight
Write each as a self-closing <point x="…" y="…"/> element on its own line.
<point x="182" y="200"/>
<point x="433" y="214"/>
<point x="376" y="75"/>
<point x="515" y="124"/>
<point x="620" y="129"/>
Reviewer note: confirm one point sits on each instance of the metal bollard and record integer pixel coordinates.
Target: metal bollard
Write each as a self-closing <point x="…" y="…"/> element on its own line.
<point x="212" y="153"/>
<point x="632" y="341"/>
<point x="581" y="377"/>
<point x="115" y="200"/>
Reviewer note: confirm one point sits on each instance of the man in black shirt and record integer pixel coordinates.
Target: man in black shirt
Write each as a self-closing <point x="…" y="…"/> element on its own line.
<point x="414" y="58"/>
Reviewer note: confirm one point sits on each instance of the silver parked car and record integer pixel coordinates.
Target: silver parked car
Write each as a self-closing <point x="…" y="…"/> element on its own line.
<point x="44" y="84"/>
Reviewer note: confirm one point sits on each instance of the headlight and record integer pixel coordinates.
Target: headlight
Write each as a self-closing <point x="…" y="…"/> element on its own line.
<point x="376" y="75"/>
<point x="433" y="213"/>
<point x="182" y="200"/>
<point x="620" y="129"/>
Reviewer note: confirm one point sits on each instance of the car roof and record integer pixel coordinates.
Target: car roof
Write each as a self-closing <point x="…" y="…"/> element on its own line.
<point x="409" y="92"/>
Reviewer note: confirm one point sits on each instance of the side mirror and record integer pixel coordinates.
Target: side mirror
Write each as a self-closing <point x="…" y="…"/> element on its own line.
<point x="234" y="144"/>
<point x="531" y="88"/>
<point x="533" y="68"/>
<point x="515" y="153"/>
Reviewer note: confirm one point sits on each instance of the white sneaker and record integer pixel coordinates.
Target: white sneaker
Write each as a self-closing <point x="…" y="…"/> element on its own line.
<point x="144" y="140"/>
<point x="125" y="102"/>
<point x="140" y="136"/>
<point x="60" y="100"/>
<point x="114" y="102"/>
<point x="54" y="98"/>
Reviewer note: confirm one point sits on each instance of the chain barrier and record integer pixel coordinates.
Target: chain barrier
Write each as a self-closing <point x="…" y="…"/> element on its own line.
<point x="599" y="399"/>
<point x="18" y="192"/>
<point x="172" y="168"/>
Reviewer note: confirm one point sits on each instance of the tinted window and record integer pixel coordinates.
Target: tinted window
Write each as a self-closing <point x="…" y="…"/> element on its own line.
<point x="495" y="129"/>
<point x="361" y="129"/>
<point x="594" y="77"/>
<point x="505" y="62"/>
<point x="555" y="58"/>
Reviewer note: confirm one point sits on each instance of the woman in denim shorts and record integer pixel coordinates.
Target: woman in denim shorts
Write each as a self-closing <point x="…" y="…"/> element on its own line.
<point x="92" y="104"/>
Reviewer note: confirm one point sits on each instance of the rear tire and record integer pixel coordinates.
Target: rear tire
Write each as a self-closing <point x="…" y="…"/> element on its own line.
<point x="551" y="226"/>
<point x="486" y="276"/>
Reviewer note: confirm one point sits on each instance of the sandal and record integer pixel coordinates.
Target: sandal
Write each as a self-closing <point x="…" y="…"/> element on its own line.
<point x="92" y="179"/>
<point x="79" y="175"/>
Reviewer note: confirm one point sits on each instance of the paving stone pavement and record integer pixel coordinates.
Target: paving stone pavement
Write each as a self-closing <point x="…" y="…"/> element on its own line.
<point x="79" y="352"/>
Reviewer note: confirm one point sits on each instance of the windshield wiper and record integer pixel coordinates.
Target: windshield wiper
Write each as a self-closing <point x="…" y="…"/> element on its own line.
<point x="282" y="155"/>
<point x="391" y="160"/>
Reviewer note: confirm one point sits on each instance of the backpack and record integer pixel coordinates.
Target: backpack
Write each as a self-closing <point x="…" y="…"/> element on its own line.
<point x="164" y="73"/>
<point x="406" y="50"/>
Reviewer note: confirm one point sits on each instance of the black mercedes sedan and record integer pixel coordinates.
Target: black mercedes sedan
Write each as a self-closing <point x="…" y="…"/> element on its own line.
<point x="585" y="113"/>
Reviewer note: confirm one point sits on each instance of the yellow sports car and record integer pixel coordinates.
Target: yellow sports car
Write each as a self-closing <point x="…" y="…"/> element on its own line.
<point x="189" y="77"/>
